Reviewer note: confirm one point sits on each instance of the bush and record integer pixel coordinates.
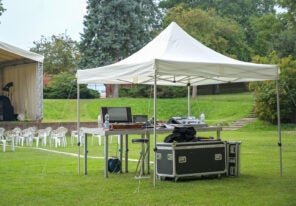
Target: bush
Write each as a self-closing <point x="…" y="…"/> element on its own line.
<point x="265" y="92"/>
<point x="148" y="90"/>
<point x="64" y="86"/>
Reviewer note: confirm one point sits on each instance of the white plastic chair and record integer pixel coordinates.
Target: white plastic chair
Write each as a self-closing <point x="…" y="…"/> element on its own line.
<point x="94" y="135"/>
<point x="2" y="130"/>
<point x="59" y="137"/>
<point x="27" y="137"/>
<point x="18" y="135"/>
<point x="9" y="136"/>
<point x="41" y="135"/>
<point x="118" y="138"/>
<point x="2" y="139"/>
<point x="79" y="138"/>
<point x="48" y="132"/>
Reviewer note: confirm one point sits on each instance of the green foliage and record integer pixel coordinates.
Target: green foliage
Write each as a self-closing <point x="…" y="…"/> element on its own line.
<point x="2" y="9"/>
<point x="261" y="33"/>
<point x="258" y="7"/>
<point x="221" y="34"/>
<point x="171" y="92"/>
<point x="265" y="31"/>
<point x="115" y="29"/>
<point x="273" y="33"/>
<point x="60" y="53"/>
<point x="147" y="91"/>
<point x="285" y="45"/>
<point x="60" y="87"/>
<point x="290" y="5"/>
<point x="265" y="92"/>
<point x="239" y="10"/>
<point x="63" y="86"/>
<point x="136" y="91"/>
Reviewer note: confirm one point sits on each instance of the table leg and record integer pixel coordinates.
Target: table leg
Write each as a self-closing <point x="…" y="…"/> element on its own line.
<point x="85" y="154"/>
<point x="218" y="134"/>
<point x="148" y="155"/>
<point x="126" y="153"/>
<point x="143" y="159"/>
<point x="106" y="156"/>
<point x="120" y="151"/>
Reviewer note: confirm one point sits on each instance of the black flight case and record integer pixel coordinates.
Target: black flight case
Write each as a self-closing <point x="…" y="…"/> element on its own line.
<point x="202" y="158"/>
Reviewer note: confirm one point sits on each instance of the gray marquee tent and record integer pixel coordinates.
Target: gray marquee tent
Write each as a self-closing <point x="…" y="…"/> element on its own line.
<point x="23" y="70"/>
<point x="176" y="58"/>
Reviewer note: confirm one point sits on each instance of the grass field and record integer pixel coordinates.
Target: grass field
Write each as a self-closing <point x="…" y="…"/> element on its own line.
<point x="218" y="108"/>
<point x="31" y="176"/>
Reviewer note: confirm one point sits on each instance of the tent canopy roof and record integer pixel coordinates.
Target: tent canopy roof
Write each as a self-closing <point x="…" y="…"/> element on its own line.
<point x="176" y="58"/>
<point x="13" y="55"/>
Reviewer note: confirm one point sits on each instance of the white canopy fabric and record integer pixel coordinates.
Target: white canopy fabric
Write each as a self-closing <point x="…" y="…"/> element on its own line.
<point x="176" y="58"/>
<point x="11" y="53"/>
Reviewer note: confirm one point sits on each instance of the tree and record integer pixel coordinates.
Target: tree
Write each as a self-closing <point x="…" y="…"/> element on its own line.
<point x="60" y="53"/>
<point x="2" y="9"/>
<point x="290" y="5"/>
<point x="265" y="92"/>
<point x="115" y="29"/>
<point x="221" y="34"/>
<point x="60" y="63"/>
<point x="286" y="43"/>
<point x="265" y="32"/>
<point x="273" y="33"/>
<point x="64" y="86"/>
<point x="239" y="10"/>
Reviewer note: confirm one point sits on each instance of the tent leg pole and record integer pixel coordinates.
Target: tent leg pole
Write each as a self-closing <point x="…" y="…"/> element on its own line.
<point x="188" y="90"/>
<point x="78" y="126"/>
<point x="154" y="129"/>
<point x="279" y="125"/>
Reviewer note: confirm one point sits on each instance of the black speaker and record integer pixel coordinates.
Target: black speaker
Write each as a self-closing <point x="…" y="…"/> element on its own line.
<point x="6" y="109"/>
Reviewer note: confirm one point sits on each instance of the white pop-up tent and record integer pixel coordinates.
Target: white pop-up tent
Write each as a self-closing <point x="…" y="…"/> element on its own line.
<point x="23" y="70"/>
<point x="175" y="58"/>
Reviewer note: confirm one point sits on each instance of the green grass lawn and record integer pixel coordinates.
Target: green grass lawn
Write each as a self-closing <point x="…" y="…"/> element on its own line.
<point x="35" y="177"/>
<point x="218" y="108"/>
<point x="30" y="176"/>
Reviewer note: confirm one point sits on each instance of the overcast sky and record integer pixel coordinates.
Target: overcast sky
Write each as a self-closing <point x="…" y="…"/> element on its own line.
<point x="25" y="21"/>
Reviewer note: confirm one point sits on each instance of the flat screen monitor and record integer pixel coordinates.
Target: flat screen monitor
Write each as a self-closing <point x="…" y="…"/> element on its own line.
<point x="140" y="118"/>
<point x="117" y="114"/>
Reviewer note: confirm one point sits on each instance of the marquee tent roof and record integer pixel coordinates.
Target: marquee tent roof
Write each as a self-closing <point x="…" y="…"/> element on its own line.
<point x="9" y="53"/>
<point x="176" y="58"/>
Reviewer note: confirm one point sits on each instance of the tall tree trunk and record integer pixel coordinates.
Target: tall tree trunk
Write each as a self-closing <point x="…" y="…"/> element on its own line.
<point x="116" y="91"/>
<point x="216" y="89"/>
<point x="194" y="92"/>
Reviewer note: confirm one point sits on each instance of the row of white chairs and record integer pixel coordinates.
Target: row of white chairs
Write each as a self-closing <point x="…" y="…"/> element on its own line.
<point x="94" y="134"/>
<point x="56" y="137"/>
<point x="27" y="136"/>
